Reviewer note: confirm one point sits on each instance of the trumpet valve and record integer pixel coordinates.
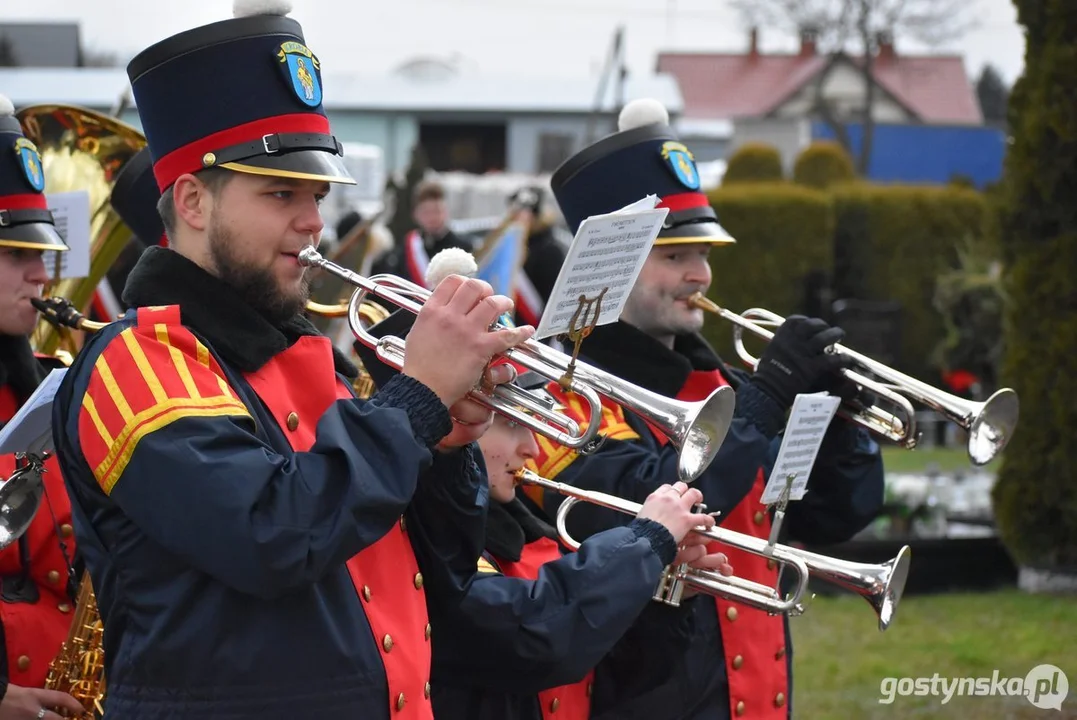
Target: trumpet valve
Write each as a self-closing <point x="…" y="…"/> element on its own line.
<point x="671" y="585"/>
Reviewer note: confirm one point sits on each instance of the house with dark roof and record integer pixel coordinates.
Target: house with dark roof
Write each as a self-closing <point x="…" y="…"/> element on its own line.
<point x="733" y="98"/>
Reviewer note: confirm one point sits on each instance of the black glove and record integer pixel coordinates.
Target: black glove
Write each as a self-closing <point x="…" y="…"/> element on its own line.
<point x="852" y="395"/>
<point x="796" y="360"/>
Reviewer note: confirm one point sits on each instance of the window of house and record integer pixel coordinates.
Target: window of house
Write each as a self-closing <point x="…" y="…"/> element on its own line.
<point x="553" y="149"/>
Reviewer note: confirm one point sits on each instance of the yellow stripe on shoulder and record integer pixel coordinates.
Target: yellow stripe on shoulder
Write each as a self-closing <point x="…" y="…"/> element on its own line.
<point x="623" y="431"/>
<point x="145" y="379"/>
<point x="486" y="567"/>
<point x="122" y="449"/>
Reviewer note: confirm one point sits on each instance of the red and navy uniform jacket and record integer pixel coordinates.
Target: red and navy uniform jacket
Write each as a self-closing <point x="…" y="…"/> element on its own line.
<point x="261" y="542"/>
<point x="537" y="619"/>
<point x="35" y="600"/>
<point x="739" y="660"/>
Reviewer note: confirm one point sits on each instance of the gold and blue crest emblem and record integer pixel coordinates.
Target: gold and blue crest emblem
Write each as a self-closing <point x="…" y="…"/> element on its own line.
<point x="302" y="69"/>
<point x="679" y="160"/>
<point x="30" y="162"/>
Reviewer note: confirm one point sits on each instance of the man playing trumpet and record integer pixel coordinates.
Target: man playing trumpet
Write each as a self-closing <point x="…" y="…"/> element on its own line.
<point x="535" y="622"/>
<point x="738" y="662"/>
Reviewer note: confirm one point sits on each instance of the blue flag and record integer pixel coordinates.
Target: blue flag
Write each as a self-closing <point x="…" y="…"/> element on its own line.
<point x="501" y="263"/>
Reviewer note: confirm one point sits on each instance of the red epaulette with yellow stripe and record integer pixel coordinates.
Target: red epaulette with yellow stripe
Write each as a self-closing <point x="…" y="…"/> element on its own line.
<point x="150" y="375"/>
<point x="552" y="457"/>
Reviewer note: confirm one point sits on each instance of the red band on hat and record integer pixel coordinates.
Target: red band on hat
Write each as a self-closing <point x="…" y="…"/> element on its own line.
<point x="27" y="201"/>
<point x="188" y="159"/>
<point x="684" y="201"/>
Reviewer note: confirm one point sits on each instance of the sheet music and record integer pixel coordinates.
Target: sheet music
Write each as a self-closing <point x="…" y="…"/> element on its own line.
<point x="607" y="252"/>
<point x="808" y="422"/>
<point x="71" y="215"/>
<point x="30" y="430"/>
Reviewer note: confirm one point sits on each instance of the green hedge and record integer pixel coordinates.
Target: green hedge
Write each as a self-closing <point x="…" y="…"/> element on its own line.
<point x="822" y="164"/>
<point x="892" y="242"/>
<point x="1036" y="495"/>
<point x="783" y="232"/>
<point x="754" y="162"/>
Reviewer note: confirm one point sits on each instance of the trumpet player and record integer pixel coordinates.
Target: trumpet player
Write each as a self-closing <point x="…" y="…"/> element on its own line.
<point x="37" y="594"/>
<point x="738" y="663"/>
<point x="253" y="531"/>
<point x="524" y="641"/>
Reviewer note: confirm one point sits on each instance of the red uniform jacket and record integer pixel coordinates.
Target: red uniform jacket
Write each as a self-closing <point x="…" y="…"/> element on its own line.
<point x="36" y="620"/>
<point x="567" y="702"/>
<point x="386" y="574"/>
<point x="752" y="640"/>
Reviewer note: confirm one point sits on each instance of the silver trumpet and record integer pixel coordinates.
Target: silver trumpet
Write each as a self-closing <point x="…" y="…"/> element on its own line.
<point x="989" y="424"/>
<point x="881" y="585"/>
<point x="696" y="429"/>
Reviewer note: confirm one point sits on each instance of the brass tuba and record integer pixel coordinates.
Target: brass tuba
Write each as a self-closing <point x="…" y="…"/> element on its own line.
<point x="82" y="150"/>
<point x="371" y="314"/>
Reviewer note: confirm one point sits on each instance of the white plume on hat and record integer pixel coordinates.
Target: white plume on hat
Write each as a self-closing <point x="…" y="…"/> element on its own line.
<point x="450" y="261"/>
<point x="644" y="111"/>
<point x="6" y="106"/>
<point x="245" y="8"/>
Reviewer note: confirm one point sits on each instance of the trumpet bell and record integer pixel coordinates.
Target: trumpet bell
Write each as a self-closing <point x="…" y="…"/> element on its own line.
<point x="703" y="433"/>
<point x="20" y="497"/>
<point x="881" y="585"/>
<point x="886" y="600"/>
<point x="993" y="426"/>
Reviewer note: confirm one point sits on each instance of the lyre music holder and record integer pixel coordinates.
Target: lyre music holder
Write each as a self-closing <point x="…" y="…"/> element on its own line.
<point x="583" y="322"/>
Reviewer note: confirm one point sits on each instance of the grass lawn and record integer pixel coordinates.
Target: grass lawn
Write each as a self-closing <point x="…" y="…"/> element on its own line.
<point x="841" y="658"/>
<point x="898" y="460"/>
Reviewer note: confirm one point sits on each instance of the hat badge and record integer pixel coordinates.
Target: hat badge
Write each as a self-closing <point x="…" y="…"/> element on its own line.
<point x="301" y="68"/>
<point x="679" y="160"/>
<point x="30" y="161"/>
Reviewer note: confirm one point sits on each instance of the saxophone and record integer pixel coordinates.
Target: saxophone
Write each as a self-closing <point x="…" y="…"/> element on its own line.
<point x="79" y="668"/>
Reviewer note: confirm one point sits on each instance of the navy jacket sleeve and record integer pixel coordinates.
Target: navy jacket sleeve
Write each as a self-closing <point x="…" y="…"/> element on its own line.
<point x="524" y="636"/>
<point x="206" y="485"/>
<point x="634" y="468"/>
<point x="447" y="523"/>
<point x="845" y="490"/>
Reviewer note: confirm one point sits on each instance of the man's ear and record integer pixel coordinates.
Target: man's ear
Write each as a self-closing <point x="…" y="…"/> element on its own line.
<point x="192" y="199"/>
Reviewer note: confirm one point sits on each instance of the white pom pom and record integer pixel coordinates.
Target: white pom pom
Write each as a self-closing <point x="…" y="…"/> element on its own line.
<point x="450" y="261"/>
<point x="644" y="111"/>
<point x="245" y="8"/>
<point x="6" y="106"/>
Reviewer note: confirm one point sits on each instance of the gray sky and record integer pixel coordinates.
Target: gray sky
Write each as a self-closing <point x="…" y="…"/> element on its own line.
<point x="525" y="37"/>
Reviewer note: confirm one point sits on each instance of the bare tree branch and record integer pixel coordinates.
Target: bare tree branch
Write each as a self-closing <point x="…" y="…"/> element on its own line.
<point x="857" y="27"/>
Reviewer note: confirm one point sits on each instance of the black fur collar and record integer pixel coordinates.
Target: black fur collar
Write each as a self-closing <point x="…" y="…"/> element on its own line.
<point x="631" y="354"/>
<point x="241" y="335"/>
<point x="19" y="368"/>
<point x="510" y="527"/>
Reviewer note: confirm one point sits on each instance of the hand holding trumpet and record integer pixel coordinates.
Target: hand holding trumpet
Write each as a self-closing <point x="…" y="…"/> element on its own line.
<point x="674" y="508"/>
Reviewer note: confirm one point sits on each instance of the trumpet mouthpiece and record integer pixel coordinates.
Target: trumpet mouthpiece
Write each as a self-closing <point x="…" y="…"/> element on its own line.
<point x="310" y="257"/>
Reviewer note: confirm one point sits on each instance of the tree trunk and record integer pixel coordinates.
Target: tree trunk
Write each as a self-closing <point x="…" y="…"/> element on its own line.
<point x="867" y="135"/>
<point x="822" y="108"/>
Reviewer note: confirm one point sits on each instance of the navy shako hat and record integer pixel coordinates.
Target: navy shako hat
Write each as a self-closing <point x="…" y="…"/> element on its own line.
<point x="25" y="218"/>
<point x="243" y="94"/>
<point x="134" y="198"/>
<point x="643" y="158"/>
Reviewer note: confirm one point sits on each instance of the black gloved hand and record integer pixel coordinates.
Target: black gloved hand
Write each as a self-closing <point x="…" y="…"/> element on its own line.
<point x="852" y="395"/>
<point x="796" y="360"/>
